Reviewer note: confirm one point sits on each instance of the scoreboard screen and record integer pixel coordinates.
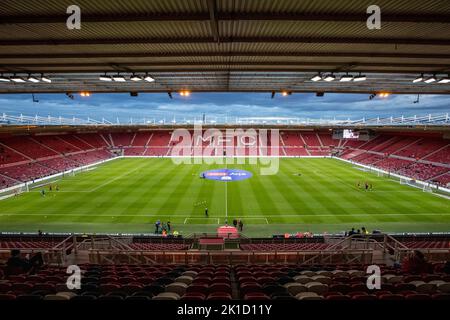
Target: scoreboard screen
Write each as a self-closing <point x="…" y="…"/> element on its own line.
<point x="350" y="134"/>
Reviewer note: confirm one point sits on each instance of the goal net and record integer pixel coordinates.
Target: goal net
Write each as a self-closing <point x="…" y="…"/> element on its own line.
<point x="404" y="181"/>
<point x="427" y="189"/>
<point x="13" y="191"/>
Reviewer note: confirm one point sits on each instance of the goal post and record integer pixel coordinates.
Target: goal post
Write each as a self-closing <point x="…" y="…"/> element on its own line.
<point x="13" y="191"/>
<point x="427" y="188"/>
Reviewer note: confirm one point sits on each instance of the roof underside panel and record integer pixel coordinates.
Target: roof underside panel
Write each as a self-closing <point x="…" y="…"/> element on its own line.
<point x="217" y="43"/>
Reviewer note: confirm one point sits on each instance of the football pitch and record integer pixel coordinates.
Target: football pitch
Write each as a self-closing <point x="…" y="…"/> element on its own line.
<point x="128" y="195"/>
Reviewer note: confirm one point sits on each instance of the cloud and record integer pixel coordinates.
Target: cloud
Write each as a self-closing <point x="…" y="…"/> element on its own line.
<point x="221" y="105"/>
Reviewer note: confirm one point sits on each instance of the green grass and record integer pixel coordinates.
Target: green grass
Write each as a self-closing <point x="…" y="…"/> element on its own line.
<point x="129" y="195"/>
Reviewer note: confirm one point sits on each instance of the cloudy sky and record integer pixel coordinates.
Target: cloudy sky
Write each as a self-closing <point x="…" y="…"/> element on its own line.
<point x="222" y="105"/>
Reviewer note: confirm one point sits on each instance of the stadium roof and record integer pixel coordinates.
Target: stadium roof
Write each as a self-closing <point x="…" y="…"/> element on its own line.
<point x="225" y="45"/>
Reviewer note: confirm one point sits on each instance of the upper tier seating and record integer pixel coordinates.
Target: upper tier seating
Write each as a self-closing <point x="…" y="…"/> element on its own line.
<point x="9" y="156"/>
<point x="93" y="139"/>
<point x="77" y="142"/>
<point x="57" y="144"/>
<point x="29" y="147"/>
<point x="441" y="156"/>
<point x="141" y="139"/>
<point x="160" y="139"/>
<point x="310" y="139"/>
<point x="422" y="148"/>
<point x="122" y="139"/>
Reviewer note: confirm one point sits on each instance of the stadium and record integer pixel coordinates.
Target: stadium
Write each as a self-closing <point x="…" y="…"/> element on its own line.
<point x="233" y="209"/>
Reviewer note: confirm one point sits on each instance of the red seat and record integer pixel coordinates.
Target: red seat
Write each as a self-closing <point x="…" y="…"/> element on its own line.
<point x="44" y="287"/>
<point x="391" y="297"/>
<point x="357" y="293"/>
<point x="343" y="288"/>
<point x="338" y="297"/>
<point x="404" y="287"/>
<point x="250" y="287"/>
<point x="418" y="296"/>
<point x="330" y="293"/>
<point x="441" y="296"/>
<point x="194" y="296"/>
<point x="360" y="287"/>
<point x="256" y="296"/>
<point x="365" y="297"/>
<point x="264" y="280"/>
<point x="5" y="287"/>
<point x="202" y="280"/>
<point x="220" y="287"/>
<point x="198" y="288"/>
<point x="132" y="287"/>
<point x="220" y="280"/>
<point x="17" y="278"/>
<point x="109" y="279"/>
<point x="219" y="296"/>
<point x="246" y="279"/>
<point x="382" y="292"/>
<point x="22" y="287"/>
<point x="109" y="287"/>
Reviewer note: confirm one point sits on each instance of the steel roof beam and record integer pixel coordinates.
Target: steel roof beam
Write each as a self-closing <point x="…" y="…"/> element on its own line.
<point x="194" y="40"/>
<point x="226" y="16"/>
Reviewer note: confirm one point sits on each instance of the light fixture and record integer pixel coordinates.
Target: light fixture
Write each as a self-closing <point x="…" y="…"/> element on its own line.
<point x="119" y="78"/>
<point x="185" y="93"/>
<point x="430" y="79"/>
<point x="148" y="78"/>
<point x="445" y="80"/>
<point x="346" y="78"/>
<point x="4" y="79"/>
<point x="136" y="78"/>
<point x="286" y="93"/>
<point x="33" y="79"/>
<point x="330" y="77"/>
<point x="316" y="78"/>
<point x="17" y="79"/>
<point x="418" y="79"/>
<point x="359" y="78"/>
<point x="384" y="94"/>
<point x="45" y="79"/>
<point x="85" y="94"/>
<point x="105" y="78"/>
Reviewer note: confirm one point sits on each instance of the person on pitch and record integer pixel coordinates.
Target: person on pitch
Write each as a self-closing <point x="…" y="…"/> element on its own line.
<point x="206" y="212"/>
<point x="241" y="226"/>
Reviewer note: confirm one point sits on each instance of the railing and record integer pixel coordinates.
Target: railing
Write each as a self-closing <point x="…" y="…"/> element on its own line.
<point x="436" y="119"/>
<point x="231" y="257"/>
